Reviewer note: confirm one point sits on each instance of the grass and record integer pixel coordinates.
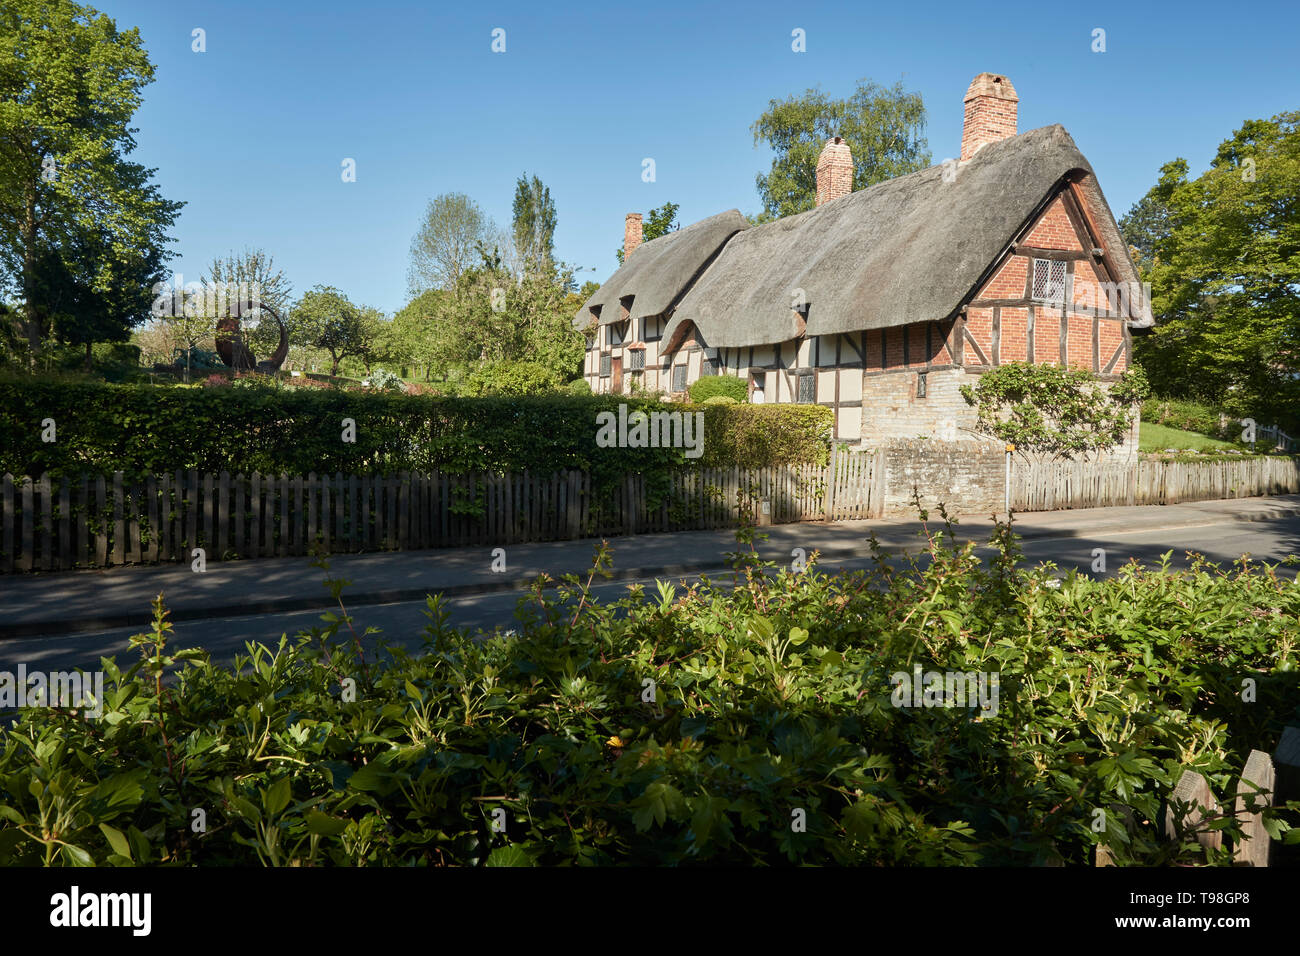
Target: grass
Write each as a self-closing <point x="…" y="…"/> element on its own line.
<point x="1155" y="438"/>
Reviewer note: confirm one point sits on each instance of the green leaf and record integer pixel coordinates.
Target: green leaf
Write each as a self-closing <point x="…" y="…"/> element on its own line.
<point x="117" y="840"/>
<point x="510" y="855"/>
<point x="276" y="797"/>
<point x="325" y="825"/>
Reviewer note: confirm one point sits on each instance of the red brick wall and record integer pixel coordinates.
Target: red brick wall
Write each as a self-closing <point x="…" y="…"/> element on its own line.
<point x="1008" y="282"/>
<point x="1112" y="334"/>
<point x="1054" y="230"/>
<point x="1014" y="342"/>
<point x="1047" y="338"/>
<point x="979" y="323"/>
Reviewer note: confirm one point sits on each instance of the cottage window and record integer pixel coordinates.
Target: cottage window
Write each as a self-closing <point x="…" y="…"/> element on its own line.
<point x="709" y="367"/>
<point x="807" y="388"/>
<point x="679" y="378"/>
<point x="1049" y="281"/>
<point x="920" y="385"/>
<point x="606" y="362"/>
<point x="636" y="362"/>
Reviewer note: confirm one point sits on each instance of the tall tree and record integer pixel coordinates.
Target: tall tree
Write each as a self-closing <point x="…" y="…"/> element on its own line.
<point x="334" y="324"/>
<point x="1225" y="275"/>
<point x="534" y="225"/>
<point x="884" y="128"/>
<point x="659" y="222"/>
<point x="447" y="242"/>
<point x="70" y="82"/>
<point x="87" y="293"/>
<point x="494" y="318"/>
<point x="1142" y="227"/>
<point x="410" y="336"/>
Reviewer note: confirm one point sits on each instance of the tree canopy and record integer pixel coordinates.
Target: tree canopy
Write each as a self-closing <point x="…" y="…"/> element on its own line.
<point x="659" y="222"/>
<point x="534" y="225"/>
<point x="334" y="324"/>
<point x="884" y="127"/>
<point x="1222" y="254"/>
<point x="448" y="242"/>
<point x="70" y="82"/>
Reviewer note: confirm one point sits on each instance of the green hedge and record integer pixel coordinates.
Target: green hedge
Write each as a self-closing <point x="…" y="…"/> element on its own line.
<point x="142" y="429"/>
<point x="711" y="386"/>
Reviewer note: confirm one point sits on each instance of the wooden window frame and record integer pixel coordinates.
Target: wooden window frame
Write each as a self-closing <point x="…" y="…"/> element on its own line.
<point x="805" y="375"/>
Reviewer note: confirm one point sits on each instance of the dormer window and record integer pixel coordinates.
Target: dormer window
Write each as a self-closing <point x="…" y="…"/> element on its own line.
<point x="1049" y="281"/>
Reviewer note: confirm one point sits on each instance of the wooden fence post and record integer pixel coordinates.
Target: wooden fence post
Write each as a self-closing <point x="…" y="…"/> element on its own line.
<point x="8" y="515"/>
<point x="65" y="524"/>
<point x="119" y="521"/>
<point x="1193" y="793"/>
<point x="828" y="508"/>
<point x="1253" y="848"/>
<point x="101" y="523"/>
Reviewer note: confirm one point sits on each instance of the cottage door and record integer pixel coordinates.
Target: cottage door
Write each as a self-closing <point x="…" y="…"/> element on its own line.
<point x="616" y="376"/>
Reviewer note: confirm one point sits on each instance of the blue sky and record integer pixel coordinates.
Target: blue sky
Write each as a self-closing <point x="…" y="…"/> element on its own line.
<point x="251" y="134"/>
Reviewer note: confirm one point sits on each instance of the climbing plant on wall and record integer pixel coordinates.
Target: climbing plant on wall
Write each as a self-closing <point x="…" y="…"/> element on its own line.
<point x="1055" y="411"/>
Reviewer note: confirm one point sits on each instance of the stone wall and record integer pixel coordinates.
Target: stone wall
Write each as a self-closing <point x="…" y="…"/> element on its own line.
<point x="891" y="408"/>
<point x="966" y="476"/>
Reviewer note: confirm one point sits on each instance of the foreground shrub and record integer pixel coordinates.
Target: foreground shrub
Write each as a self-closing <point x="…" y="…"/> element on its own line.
<point x="747" y="722"/>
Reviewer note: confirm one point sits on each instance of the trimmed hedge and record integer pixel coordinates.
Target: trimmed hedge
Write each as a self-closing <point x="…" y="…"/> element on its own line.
<point x="143" y="429"/>
<point x="711" y="386"/>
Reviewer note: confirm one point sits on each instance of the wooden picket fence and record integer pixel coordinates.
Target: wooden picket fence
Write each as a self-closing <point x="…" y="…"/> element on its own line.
<point x="1266" y="780"/>
<point x="97" y="521"/>
<point x="1051" y="486"/>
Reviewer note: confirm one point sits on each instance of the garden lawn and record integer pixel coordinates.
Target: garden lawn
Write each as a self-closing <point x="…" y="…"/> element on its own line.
<point x="1156" y="438"/>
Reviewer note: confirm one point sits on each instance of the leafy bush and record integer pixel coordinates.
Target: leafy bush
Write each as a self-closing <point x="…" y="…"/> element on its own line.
<point x="720" y="400"/>
<point x="513" y="378"/>
<point x="755" y="435"/>
<point x="1187" y="416"/>
<point x="708" y="386"/>
<point x="770" y="737"/>
<point x="579" y="386"/>
<point x="386" y="381"/>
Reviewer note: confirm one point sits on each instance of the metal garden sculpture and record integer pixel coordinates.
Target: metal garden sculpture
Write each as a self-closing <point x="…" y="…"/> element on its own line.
<point x="234" y="351"/>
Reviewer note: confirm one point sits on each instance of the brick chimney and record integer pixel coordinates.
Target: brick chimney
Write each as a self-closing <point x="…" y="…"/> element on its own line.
<point x="632" y="235"/>
<point x="834" y="171"/>
<point x="990" y="112"/>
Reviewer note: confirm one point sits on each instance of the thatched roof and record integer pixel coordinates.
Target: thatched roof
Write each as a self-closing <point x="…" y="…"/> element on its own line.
<point x="906" y="250"/>
<point x="659" y="271"/>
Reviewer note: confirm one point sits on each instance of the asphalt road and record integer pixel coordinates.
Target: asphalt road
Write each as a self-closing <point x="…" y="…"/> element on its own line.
<point x="402" y="623"/>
